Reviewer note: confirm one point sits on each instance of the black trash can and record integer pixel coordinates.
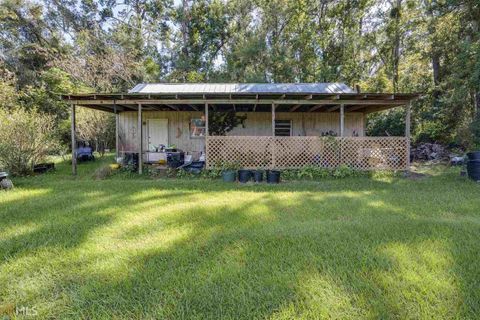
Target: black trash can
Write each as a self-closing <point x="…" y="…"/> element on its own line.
<point x="273" y="176"/>
<point x="473" y="169"/>
<point x="244" y="176"/>
<point x="258" y="176"/>
<point x="475" y="155"/>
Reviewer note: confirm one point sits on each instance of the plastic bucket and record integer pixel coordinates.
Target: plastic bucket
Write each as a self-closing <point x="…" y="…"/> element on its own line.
<point x="244" y="176"/>
<point x="258" y="176"/>
<point x="473" y="169"/>
<point x="273" y="176"/>
<point x="475" y="155"/>
<point x="229" y="176"/>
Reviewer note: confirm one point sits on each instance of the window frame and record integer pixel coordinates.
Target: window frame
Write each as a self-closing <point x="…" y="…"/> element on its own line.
<point x="290" y="122"/>
<point x="191" y="127"/>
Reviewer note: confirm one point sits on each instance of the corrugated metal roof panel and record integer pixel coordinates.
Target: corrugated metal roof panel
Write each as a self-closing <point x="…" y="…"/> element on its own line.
<point x="231" y="88"/>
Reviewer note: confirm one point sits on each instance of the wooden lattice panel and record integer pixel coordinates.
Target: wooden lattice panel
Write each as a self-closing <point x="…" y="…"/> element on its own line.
<point x="363" y="153"/>
<point x="247" y="152"/>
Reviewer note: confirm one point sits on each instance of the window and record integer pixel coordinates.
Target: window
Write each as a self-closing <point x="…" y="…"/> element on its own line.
<point x="283" y="128"/>
<point x="197" y="128"/>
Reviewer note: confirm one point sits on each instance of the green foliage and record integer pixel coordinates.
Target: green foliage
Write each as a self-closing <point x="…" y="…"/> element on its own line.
<point x="390" y="123"/>
<point x="219" y="123"/>
<point x="26" y="139"/>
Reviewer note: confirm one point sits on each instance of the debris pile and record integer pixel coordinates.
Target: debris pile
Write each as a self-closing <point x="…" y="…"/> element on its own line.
<point x="429" y="152"/>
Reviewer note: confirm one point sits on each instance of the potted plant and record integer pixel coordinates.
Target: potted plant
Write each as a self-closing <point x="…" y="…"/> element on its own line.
<point x="259" y="173"/>
<point x="229" y="171"/>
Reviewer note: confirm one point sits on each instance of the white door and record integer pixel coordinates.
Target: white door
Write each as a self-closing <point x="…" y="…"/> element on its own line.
<point x="157" y="133"/>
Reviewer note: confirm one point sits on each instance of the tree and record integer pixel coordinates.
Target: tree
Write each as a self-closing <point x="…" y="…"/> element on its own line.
<point x="26" y="139"/>
<point x="96" y="128"/>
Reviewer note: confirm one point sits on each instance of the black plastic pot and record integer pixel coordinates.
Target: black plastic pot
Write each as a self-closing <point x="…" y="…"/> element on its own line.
<point x="475" y="155"/>
<point x="258" y="176"/>
<point x="273" y="176"/>
<point x="473" y="169"/>
<point x="244" y="176"/>
<point x="43" y="167"/>
<point x="229" y="176"/>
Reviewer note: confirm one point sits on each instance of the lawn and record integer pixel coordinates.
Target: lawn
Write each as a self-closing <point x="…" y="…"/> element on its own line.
<point x="136" y="248"/>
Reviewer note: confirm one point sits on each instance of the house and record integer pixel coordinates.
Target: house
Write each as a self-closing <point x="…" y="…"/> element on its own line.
<point x="286" y="126"/>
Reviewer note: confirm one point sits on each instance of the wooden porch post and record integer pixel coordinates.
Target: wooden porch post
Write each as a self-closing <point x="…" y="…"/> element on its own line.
<point x="206" y="135"/>
<point x="342" y="120"/>
<point x="408" y="110"/>
<point x="274" y="151"/>
<point x="140" y="139"/>
<point x="273" y="119"/>
<point x="74" y="141"/>
<point x="117" y="120"/>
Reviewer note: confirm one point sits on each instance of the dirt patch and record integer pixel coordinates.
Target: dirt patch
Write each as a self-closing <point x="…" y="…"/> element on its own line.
<point x="412" y="175"/>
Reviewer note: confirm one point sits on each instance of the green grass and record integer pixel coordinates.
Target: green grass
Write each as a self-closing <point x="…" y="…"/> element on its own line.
<point x="384" y="247"/>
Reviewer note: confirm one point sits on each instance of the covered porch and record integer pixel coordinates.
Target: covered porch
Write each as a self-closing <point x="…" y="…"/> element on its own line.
<point x="341" y="141"/>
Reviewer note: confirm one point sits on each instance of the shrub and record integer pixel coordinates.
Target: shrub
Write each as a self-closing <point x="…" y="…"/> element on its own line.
<point x="103" y="172"/>
<point x="26" y="139"/>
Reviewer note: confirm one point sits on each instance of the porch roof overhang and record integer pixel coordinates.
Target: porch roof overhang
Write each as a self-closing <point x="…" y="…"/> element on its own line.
<point x="242" y="101"/>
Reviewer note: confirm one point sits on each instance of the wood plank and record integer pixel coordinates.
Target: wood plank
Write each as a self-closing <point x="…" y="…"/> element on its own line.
<point x="172" y="107"/>
<point x="342" y="120"/>
<point x="242" y="101"/>
<point x="117" y="120"/>
<point x="139" y="139"/>
<point x="318" y="106"/>
<point x="336" y="107"/>
<point x="74" y="141"/>
<point x="295" y="107"/>
<point x="407" y="132"/>
<point x="354" y="108"/>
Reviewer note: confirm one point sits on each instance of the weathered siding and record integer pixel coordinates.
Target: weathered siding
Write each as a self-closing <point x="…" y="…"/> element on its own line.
<point x="256" y="124"/>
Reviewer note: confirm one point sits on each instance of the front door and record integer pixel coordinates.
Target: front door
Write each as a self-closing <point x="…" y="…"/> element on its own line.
<point x="157" y="133"/>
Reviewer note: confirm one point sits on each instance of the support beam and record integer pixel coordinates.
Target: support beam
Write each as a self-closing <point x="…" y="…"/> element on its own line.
<point x="342" y="120"/>
<point x="273" y="119"/>
<point x="334" y="108"/>
<point x="206" y="135"/>
<point x="193" y="107"/>
<point x="273" y="145"/>
<point x="172" y="107"/>
<point x="318" y="106"/>
<point x="333" y="101"/>
<point x="354" y="108"/>
<point x="74" y="141"/>
<point x="140" y="139"/>
<point x="295" y="107"/>
<point x="407" y="131"/>
<point x="117" y="144"/>
<point x="206" y="119"/>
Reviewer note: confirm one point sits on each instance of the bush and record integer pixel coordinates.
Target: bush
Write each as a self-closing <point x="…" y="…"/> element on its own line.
<point x="26" y="139"/>
<point x="103" y="172"/>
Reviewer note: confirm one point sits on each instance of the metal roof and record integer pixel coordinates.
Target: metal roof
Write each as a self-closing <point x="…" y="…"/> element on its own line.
<point x="232" y="88"/>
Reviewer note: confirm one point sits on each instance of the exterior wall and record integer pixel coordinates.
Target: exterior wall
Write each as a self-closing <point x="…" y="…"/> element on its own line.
<point x="256" y="124"/>
<point x="303" y="124"/>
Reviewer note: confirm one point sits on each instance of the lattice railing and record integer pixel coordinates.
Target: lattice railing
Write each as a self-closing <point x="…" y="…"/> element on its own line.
<point x="363" y="153"/>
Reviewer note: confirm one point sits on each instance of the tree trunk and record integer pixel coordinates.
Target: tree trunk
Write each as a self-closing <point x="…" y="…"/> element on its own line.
<point x="396" y="46"/>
